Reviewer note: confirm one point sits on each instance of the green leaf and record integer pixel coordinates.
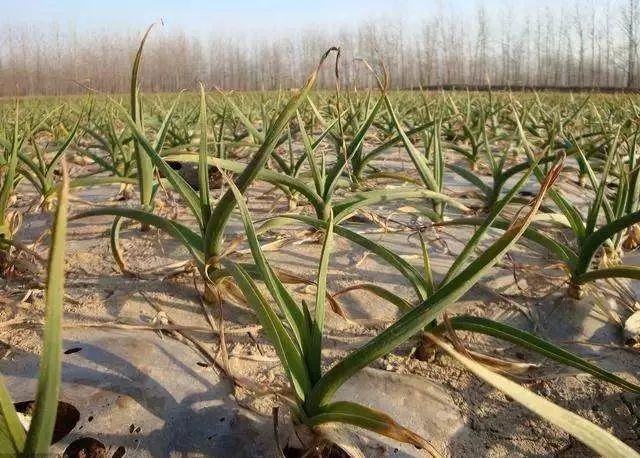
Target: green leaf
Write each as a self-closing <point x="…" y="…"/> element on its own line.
<point x="341" y="161"/>
<point x="46" y="404"/>
<point x="413" y="276"/>
<point x="161" y="136"/>
<point x="283" y="299"/>
<point x="268" y="176"/>
<point x="12" y="435"/>
<point x="86" y="182"/>
<point x="586" y="432"/>
<point x="222" y="212"/>
<point x="596" y="239"/>
<point x="255" y="133"/>
<point x="9" y="175"/>
<point x="534" y="343"/>
<point x="114" y="241"/>
<point x="321" y="168"/>
<point x="622" y="271"/>
<point x="480" y="233"/>
<point x="563" y="252"/>
<point x="471" y="177"/>
<point x="287" y="350"/>
<point x="417" y="158"/>
<point x="143" y="163"/>
<point x="191" y="240"/>
<point x="426" y="266"/>
<point x="347" y="206"/>
<point x="314" y="358"/>
<point x="105" y="164"/>
<point x="52" y="165"/>
<point x="316" y="174"/>
<point x="177" y="182"/>
<point x="374" y="153"/>
<point x="596" y="205"/>
<point x="369" y="419"/>
<point x="402" y="304"/>
<point x="567" y="208"/>
<point x="584" y="163"/>
<point x="203" y="168"/>
<point x="413" y="321"/>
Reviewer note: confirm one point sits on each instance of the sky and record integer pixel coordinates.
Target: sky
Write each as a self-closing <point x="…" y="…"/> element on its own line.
<point x="207" y="16"/>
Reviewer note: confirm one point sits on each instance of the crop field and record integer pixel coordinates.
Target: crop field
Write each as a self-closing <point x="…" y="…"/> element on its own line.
<point x="319" y="272"/>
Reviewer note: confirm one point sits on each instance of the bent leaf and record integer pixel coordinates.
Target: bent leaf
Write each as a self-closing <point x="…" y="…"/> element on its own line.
<point x="372" y="420"/>
<point x="596" y="438"/>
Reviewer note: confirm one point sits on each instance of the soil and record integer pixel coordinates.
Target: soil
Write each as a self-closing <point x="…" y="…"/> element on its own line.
<point x="526" y="289"/>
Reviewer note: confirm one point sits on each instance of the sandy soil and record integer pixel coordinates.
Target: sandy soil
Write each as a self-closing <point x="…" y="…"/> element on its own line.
<point x="492" y="424"/>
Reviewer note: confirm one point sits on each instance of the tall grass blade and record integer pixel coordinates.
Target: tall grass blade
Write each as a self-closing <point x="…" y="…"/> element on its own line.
<point x="46" y="405"/>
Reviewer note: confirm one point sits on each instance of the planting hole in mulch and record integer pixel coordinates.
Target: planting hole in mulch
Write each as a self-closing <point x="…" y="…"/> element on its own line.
<point x="66" y="418"/>
<point x="86" y="447"/>
<point x="174" y="165"/>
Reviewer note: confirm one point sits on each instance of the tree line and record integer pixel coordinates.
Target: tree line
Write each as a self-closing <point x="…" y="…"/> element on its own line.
<point x="587" y="43"/>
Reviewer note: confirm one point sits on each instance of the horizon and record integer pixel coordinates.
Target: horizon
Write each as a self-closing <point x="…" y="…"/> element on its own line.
<point x="48" y="46"/>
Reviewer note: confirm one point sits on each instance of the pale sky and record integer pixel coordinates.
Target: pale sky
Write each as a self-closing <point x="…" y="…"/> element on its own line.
<point x="211" y="16"/>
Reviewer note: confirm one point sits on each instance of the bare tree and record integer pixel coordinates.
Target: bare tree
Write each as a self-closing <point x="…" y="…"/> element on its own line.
<point x="630" y="26"/>
<point x="593" y="47"/>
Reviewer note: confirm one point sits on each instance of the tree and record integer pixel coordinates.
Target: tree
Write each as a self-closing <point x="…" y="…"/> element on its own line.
<point x="630" y="26"/>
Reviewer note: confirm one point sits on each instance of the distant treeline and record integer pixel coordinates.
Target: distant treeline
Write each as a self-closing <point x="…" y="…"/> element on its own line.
<point x="524" y="88"/>
<point x="580" y="45"/>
